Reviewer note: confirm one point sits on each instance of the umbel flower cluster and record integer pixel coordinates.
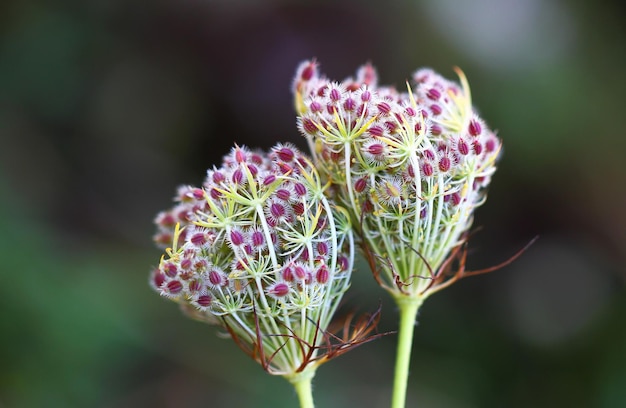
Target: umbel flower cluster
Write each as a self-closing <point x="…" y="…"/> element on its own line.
<point x="259" y="250"/>
<point x="410" y="166"/>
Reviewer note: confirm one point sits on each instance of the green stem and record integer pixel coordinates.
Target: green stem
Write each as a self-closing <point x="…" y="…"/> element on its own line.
<point x="302" y="383"/>
<point x="408" y="313"/>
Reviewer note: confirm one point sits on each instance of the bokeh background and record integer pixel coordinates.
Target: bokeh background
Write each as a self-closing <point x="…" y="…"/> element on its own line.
<point x="107" y="105"/>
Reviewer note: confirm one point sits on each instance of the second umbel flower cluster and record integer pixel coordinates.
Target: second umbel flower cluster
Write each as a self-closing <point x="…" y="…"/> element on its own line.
<point x="411" y="166"/>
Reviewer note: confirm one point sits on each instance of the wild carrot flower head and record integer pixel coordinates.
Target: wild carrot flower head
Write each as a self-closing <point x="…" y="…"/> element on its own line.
<point x="411" y="166"/>
<point x="260" y="251"/>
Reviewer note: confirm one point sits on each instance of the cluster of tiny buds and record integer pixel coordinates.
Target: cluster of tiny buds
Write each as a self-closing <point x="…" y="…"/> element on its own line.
<point x="257" y="242"/>
<point x="419" y="159"/>
<point x="452" y="138"/>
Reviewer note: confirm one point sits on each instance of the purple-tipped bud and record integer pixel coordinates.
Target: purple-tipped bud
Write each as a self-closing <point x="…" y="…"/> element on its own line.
<point x="252" y="169"/>
<point x="269" y="179"/>
<point x="462" y="147"/>
<point x="391" y="126"/>
<point x="474" y="128"/>
<point x="170" y="270"/>
<point x="455" y="199"/>
<point x="427" y="169"/>
<point x="300" y="189"/>
<point x="384" y="108"/>
<point x="478" y="148"/>
<point x="204" y="300"/>
<point x="185" y="275"/>
<point x="237" y="177"/>
<point x="240" y="155"/>
<point x="376" y="149"/>
<point x="343" y="263"/>
<point x="436" y="109"/>
<point x="278" y="290"/>
<point x="277" y="210"/>
<point x="308" y="70"/>
<point x="174" y="287"/>
<point x="284" y="168"/>
<point x="316" y="107"/>
<point x="183" y="216"/>
<point x="158" y="279"/>
<point x="236" y="238"/>
<point x="352" y="86"/>
<point x="215" y="193"/>
<point x="335" y="156"/>
<point x="322" y="248"/>
<point x="283" y="194"/>
<point x="256" y="158"/>
<point x="423" y="75"/>
<point x="200" y="264"/>
<point x="217" y="177"/>
<point x="198" y="239"/>
<point x="429" y="154"/>
<point x="195" y="285"/>
<point x="433" y="94"/>
<point x="334" y="94"/>
<point x="304" y="256"/>
<point x="298" y="208"/>
<point x="257" y="238"/>
<point x="285" y="154"/>
<point x="165" y="219"/>
<point x="240" y="264"/>
<point x="309" y="126"/>
<point x="197" y="193"/>
<point x="322" y="275"/>
<point x="360" y="185"/>
<point x="367" y="75"/>
<point x="376" y="131"/>
<point x="299" y="272"/>
<point x="362" y="111"/>
<point x="367" y="207"/>
<point x="287" y="274"/>
<point x="186" y="263"/>
<point x="216" y="278"/>
<point x="349" y="105"/>
<point x="410" y="171"/>
<point x="444" y="164"/>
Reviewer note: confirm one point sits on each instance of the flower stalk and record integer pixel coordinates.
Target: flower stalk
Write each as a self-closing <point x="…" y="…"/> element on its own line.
<point x="408" y="308"/>
<point x="302" y="384"/>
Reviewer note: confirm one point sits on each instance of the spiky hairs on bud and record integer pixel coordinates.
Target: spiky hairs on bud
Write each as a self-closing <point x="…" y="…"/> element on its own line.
<point x="411" y="167"/>
<point x="259" y="250"/>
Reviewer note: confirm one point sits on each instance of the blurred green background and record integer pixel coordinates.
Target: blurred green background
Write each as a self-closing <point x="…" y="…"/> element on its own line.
<point x="107" y="105"/>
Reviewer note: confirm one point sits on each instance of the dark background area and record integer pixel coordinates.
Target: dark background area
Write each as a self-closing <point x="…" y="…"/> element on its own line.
<point x="107" y="106"/>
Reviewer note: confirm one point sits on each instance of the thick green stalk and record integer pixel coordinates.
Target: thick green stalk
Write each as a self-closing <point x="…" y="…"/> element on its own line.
<point x="302" y="383"/>
<point x="408" y="314"/>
